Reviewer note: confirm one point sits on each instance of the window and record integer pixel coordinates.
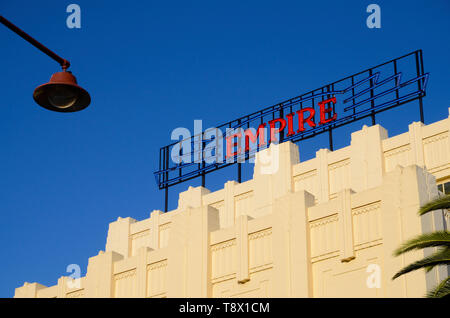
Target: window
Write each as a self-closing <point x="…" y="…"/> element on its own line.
<point x="444" y="187"/>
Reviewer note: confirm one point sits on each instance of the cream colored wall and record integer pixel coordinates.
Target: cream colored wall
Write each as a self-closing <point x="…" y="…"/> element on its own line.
<point x="310" y="229"/>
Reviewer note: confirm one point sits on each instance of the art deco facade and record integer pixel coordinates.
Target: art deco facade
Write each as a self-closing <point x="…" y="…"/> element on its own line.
<point x="325" y="227"/>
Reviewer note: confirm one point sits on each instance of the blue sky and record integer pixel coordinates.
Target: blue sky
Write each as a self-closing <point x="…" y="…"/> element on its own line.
<point x="151" y="67"/>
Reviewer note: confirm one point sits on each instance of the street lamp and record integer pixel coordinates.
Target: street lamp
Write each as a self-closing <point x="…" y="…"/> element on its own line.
<point x="61" y="93"/>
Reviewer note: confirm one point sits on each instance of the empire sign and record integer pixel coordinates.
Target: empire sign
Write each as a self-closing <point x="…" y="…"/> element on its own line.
<point x="361" y="95"/>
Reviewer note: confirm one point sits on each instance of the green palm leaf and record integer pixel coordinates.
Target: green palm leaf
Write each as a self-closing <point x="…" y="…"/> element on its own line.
<point x="440" y="203"/>
<point x="439" y="238"/>
<point x="441" y="290"/>
<point x="440" y="257"/>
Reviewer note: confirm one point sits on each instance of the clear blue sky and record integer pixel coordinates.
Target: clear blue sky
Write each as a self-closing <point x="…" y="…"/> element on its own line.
<point x="151" y="67"/>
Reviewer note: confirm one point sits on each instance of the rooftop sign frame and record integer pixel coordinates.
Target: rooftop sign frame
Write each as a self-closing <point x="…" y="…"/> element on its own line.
<point x="361" y="95"/>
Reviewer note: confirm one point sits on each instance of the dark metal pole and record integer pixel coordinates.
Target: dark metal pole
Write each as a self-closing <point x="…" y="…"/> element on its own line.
<point x="166" y="199"/>
<point x="330" y="138"/>
<point x="422" y="119"/>
<point x="203" y="162"/>
<point x="166" y="192"/>
<point x="281" y="132"/>
<point x="203" y="175"/>
<point x="372" y="103"/>
<point x="63" y="62"/>
<point x="330" y="131"/>
<point x="237" y="159"/>
<point x="419" y="69"/>
<point x="395" y="73"/>
<point x="239" y="172"/>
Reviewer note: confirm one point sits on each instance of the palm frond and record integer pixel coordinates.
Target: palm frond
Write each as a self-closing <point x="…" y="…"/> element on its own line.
<point x="438" y="238"/>
<point x="437" y="204"/>
<point x="441" y="290"/>
<point x="440" y="257"/>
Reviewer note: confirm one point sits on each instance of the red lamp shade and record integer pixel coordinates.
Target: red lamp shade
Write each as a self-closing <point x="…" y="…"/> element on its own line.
<point x="62" y="94"/>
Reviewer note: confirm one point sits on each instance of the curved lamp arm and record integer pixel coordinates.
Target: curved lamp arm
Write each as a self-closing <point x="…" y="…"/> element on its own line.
<point x="63" y="62"/>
